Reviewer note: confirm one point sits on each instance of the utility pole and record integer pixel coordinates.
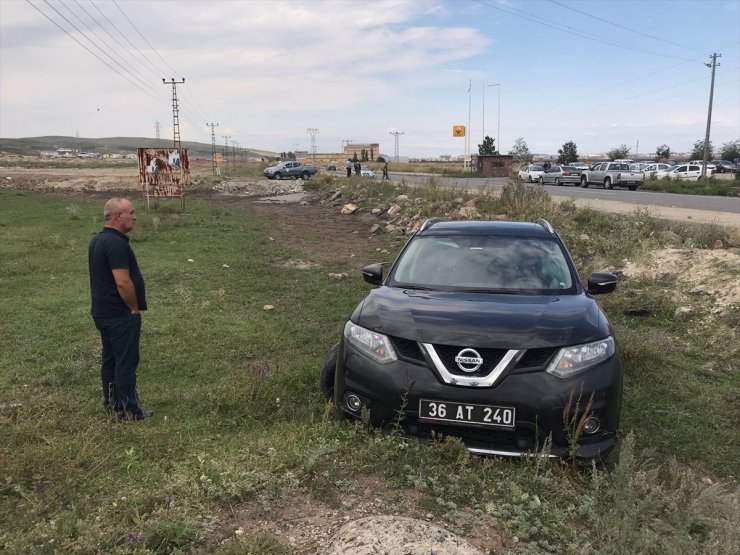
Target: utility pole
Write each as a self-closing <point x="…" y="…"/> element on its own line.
<point x="396" y="134"/>
<point x="213" y="146"/>
<point x="156" y="129"/>
<point x="713" y="65"/>
<point x="313" y="132"/>
<point x="175" y="111"/>
<point x="226" y="151"/>
<point x="637" y="148"/>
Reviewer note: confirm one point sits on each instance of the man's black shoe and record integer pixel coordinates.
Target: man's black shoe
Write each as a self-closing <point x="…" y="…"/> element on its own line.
<point x="141" y="415"/>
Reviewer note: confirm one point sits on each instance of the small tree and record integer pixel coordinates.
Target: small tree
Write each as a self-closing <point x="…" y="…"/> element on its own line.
<point x="698" y="152"/>
<point x="731" y="150"/>
<point x="622" y="151"/>
<point x="381" y="160"/>
<point x="487" y="147"/>
<point x="520" y="151"/>
<point x="568" y="154"/>
<point x="354" y="158"/>
<point x="663" y="152"/>
<point x="372" y="154"/>
<point x="363" y="155"/>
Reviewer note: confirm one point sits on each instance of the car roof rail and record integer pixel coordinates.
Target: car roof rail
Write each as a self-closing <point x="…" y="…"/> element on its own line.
<point x="428" y="223"/>
<point x="546" y="225"/>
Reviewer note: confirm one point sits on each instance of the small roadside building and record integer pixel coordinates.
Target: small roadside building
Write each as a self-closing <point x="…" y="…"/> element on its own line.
<point x="495" y="165"/>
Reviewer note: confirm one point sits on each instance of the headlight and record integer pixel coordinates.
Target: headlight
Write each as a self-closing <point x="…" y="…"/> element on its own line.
<point x="375" y="345"/>
<point x="573" y="360"/>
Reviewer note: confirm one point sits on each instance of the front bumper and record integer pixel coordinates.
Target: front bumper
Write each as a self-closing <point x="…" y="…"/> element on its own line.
<point x="390" y="394"/>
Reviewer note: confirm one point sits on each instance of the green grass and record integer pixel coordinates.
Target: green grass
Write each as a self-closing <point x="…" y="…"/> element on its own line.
<point x="240" y="424"/>
<point x="707" y="186"/>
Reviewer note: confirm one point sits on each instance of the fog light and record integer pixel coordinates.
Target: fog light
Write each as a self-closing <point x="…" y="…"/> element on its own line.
<point x="353" y="402"/>
<point x="592" y="425"/>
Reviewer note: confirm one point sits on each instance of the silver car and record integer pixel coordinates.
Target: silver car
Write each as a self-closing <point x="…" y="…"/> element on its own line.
<point x="561" y="175"/>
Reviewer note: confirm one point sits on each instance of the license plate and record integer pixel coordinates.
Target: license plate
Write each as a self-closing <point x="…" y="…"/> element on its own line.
<point x="467" y="413"/>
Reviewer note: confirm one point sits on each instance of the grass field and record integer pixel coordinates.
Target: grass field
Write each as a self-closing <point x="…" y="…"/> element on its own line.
<point x="241" y="429"/>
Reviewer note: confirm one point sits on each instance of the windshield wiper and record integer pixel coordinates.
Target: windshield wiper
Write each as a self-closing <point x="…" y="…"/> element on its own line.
<point x="414" y="287"/>
<point x="496" y="291"/>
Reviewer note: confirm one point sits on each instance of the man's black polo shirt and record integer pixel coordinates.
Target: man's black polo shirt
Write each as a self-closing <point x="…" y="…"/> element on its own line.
<point x="109" y="250"/>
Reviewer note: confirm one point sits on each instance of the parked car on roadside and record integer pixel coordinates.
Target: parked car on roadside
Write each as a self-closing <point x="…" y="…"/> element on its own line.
<point x="711" y="168"/>
<point x="531" y="172"/>
<point x="483" y="330"/>
<point x="561" y="175"/>
<point x="579" y="165"/>
<point x="724" y="166"/>
<point x="367" y="172"/>
<point x="687" y="172"/>
<point x="290" y="169"/>
<point x="612" y="174"/>
<point x="650" y="169"/>
<point x="331" y="168"/>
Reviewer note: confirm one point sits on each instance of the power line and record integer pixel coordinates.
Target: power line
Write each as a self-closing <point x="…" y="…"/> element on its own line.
<point x="568" y="29"/>
<point x="91" y="52"/>
<point x="623" y="26"/>
<point x="131" y="69"/>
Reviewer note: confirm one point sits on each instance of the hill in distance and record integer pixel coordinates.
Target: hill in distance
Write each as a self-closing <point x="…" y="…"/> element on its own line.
<point x="111" y="145"/>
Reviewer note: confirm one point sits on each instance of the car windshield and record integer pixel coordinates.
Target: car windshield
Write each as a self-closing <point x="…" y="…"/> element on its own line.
<point x="536" y="168"/>
<point x="513" y="265"/>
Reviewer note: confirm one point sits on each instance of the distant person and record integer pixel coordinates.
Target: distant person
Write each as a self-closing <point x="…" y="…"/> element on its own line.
<point x="118" y="297"/>
<point x="349" y="167"/>
<point x="547" y="166"/>
<point x="385" y="171"/>
<point x="358" y="168"/>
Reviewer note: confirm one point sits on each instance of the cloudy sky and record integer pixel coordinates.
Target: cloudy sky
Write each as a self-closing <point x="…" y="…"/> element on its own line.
<point x="598" y="72"/>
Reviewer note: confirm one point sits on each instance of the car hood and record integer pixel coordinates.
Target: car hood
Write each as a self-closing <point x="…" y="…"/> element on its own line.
<point x="482" y="319"/>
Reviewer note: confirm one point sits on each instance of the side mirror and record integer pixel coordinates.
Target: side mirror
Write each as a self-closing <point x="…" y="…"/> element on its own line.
<point x="602" y="282"/>
<point x="373" y="274"/>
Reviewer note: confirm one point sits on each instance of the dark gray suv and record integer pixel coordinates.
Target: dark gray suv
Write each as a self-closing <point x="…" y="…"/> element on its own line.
<point x="483" y="331"/>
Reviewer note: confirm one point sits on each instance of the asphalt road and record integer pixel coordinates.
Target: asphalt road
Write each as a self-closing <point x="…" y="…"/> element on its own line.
<point x="719" y="205"/>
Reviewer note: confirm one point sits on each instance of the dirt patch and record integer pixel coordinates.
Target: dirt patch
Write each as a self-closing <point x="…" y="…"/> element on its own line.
<point x="372" y="518"/>
<point x="696" y="271"/>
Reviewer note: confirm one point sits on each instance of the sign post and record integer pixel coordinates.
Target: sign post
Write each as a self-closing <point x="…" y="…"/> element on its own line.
<point x="164" y="173"/>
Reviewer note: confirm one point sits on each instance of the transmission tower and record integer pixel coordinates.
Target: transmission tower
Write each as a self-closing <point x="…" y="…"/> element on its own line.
<point x="396" y="134"/>
<point x="175" y="111"/>
<point x="213" y="145"/>
<point x="156" y="129"/>
<point x="313" y="132"/>
<point x="226" y="151"/>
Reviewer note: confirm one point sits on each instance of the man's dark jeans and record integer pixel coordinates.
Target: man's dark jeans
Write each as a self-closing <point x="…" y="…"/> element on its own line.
<point x="120" y="337"/>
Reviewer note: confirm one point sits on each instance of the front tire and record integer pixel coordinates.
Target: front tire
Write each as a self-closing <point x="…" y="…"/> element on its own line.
<point x="608" y="183"/>
<point x="584" y="183"/>
<point x="542" y="181"/>
<point x="305" y="175"/>
<point x="529" y="178"/>
<point x="277" y="175"/>
<point x="328" y="371"/>
<point x="557" y="182"/>
<point x="632" y="187"/>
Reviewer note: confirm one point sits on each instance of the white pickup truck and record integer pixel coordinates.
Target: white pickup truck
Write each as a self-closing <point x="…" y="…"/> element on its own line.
<point x="612" y="174"/>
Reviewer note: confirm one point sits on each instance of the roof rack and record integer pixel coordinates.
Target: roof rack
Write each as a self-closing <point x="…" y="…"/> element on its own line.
<point x="546" y="225"/>
<point x="428" y="223"/>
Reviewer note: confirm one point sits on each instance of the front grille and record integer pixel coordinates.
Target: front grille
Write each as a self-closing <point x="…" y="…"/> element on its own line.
<point x="407" y="348"/>
<point x="535" y="358"/>
<point x="491" y="357"/>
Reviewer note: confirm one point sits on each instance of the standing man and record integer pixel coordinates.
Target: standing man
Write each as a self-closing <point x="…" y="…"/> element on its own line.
<point x="349" y="167"/>
<point x="118" y="297"/>
<point x="385" y="171"/>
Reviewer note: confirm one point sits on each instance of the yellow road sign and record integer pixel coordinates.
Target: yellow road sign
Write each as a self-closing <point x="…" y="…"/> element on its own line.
<point x="458" y="130"/>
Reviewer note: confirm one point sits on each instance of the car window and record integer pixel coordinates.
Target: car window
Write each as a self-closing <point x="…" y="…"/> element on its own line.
<point x="694" y="168"/>
<point x="680" y="169"/>
<point x="537" y="168"/>
<point x="506" y="264"/>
